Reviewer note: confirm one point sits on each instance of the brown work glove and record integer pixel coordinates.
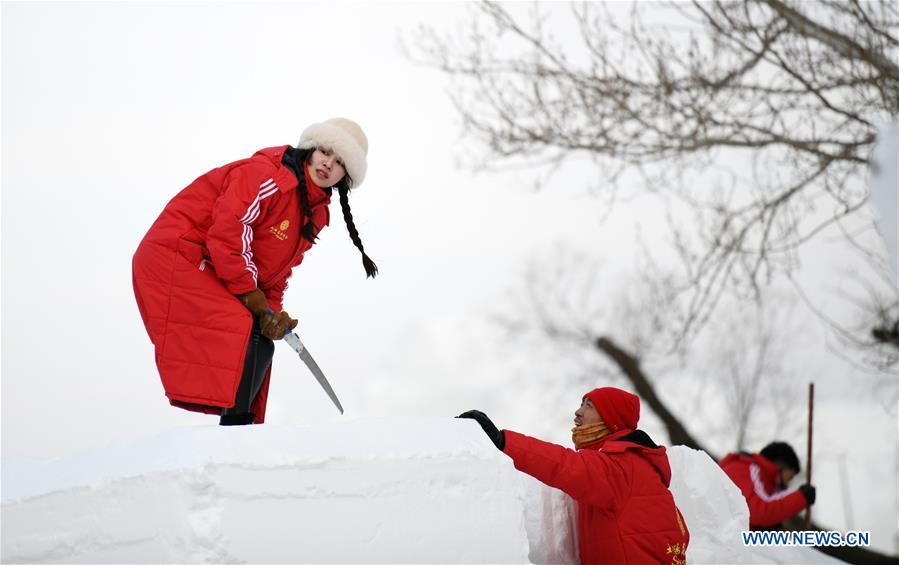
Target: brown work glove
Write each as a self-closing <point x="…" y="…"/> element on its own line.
<point x="255" y="302"/>
<point x="272" y="325"/>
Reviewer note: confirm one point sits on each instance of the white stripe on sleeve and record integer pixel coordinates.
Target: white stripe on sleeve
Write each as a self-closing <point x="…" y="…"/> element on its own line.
<point x="759" y="487"/>
<point x="266" y="189"/>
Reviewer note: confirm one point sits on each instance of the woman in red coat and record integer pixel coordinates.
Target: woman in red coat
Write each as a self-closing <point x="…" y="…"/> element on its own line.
<point x="617" y="475"/>
<point x="210" y="273"/>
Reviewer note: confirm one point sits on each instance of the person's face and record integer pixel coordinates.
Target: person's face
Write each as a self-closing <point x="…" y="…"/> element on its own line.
<point x="586" y="414"/>
<point x="325" y="167"/>
<point x="786" y="475"/>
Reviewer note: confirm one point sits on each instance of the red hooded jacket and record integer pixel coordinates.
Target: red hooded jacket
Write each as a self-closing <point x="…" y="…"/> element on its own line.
<point x="756" y="477"/>
<point x="626" y="513"/>
<point x="234" y="229"/>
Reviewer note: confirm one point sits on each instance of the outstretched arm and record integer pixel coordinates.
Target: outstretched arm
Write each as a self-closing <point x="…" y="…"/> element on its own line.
<point x="586" y="476"/>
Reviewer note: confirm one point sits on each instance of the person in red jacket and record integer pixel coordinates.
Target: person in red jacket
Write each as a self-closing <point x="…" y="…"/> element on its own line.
<point x="210" y="274"/>
<point x="617" y="474"/>
<point x="764" y="478"/>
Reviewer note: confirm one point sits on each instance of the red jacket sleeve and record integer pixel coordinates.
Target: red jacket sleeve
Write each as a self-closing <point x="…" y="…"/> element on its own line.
<point x="587" y="476"/>
<point x="275" y="294"/>
<point x="764" y="513"/>
<point x="229" y="239"/>
<point x="770" y="509"/>
<point x="764" y="509"/>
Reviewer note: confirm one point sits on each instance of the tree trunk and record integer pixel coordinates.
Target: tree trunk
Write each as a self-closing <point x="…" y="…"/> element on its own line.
<point x="630" y="366"/>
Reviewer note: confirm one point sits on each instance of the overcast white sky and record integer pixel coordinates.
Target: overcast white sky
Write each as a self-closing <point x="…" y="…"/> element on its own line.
<point x="109" y="109"/>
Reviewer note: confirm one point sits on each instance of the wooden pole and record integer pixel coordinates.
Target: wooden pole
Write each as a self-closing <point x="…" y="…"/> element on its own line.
<point x="808" y="454"/>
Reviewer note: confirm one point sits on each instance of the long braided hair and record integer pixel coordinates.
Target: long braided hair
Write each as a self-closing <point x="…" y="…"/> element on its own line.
<point x="343" y="188"/>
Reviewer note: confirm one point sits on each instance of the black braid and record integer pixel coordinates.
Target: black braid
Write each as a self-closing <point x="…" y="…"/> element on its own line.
<point x="371" y="270"/>
<point x="308" y="228"/>
<point x="294" y="158"/>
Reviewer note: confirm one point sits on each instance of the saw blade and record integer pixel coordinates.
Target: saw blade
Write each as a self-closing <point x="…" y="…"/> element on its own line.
<point x="293" y="340"/>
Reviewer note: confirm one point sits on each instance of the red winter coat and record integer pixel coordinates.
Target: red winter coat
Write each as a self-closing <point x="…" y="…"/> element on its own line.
<point x="626" y="513"/>
<point x="756" y="476"/>
<point x="232" y="230"/>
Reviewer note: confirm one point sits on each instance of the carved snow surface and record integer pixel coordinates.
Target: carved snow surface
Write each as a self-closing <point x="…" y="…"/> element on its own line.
<point x="372" y="491"/>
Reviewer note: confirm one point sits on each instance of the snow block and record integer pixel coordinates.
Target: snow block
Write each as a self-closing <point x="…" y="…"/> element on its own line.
<point x="712" y="506"/>
<point x="371" y="491"/>
<point x="359" y="491"/>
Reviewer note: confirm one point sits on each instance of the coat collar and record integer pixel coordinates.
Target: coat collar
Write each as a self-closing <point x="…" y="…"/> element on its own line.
<point x="283" y="177"/>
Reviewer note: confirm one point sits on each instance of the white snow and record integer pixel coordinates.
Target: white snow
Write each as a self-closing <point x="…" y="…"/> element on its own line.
<point x="712" y="505"/>
<point x="373" y="491"/>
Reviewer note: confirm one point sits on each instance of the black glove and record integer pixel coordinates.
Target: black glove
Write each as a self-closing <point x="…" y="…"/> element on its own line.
<point x="497" y="437"/>
<point x="808" y="491"/>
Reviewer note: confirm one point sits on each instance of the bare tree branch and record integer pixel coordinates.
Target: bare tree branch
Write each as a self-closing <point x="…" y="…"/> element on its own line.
<point x="797" y="87"/>
<point x="839" y="42"/>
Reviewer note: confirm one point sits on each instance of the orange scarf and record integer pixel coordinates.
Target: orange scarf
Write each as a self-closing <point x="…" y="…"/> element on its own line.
<point x="588" y="433"/>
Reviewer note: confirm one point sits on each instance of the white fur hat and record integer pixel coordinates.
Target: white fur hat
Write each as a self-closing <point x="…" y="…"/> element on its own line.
<point x="345" y="138"/>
